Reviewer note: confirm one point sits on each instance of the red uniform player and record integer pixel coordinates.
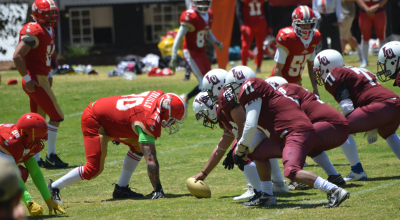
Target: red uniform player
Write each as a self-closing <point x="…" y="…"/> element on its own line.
<point x="32" y="58"/>
<point x="372" y="13"/>
<point x="253" y="24"/>
<point x="296" y="47"/>
<point x="389" y="63"/>
<point x="368" y="106"/>
<point x="134" y="120"/>
<point x="195" y="26"/>
<point x="283" y="121"/>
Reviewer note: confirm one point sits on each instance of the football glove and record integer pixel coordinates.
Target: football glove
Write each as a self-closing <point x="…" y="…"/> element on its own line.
<point x="34" y="209"/>
<point x="228" y="162"/>
<point x="173" y="64"/>
<point x="372" y="136"/>
<point x="157" y="194"/>
<point x="115" y="142"/>
<point x="241" y="156"/>
<point x="53" y="206"/>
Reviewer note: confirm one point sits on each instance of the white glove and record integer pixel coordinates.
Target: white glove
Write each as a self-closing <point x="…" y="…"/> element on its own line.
<point x="220" y="46"/>
<point x="347" y="106"/>
<point x="372" y="136"/>
<point x="173" y="64"/>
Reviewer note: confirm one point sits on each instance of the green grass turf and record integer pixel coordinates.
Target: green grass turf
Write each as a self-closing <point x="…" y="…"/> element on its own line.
<point x="184" y="154"/>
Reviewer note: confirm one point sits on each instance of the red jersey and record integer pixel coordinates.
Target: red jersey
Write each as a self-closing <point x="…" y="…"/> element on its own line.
<point x="363" y="85"/>
<point x="253" y="11"/>
<point x="370" y="3"/>
<point x="315" y="109"/>
<point x="10" y="139"/>
<point x="299" y="52"/>
<point x="117" y="113"/>
<point x="279" y="115"/>
<point x="195" y="38"/>
<point x="38" y="60"/>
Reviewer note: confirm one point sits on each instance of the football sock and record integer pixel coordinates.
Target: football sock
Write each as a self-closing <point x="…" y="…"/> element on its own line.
<point x="323" y="161"/>
<point x="193" y="93"/>
<point x="251" y="175"/>
<point x="394" y="144"/>
<point x="349" y="149"/>
<point x="324" y="185"/>
<point x="131" y="161"/>
<point x="37" y="157"/>
<point x="359" y="50"/>
<point x="276" y="173"/>
<point x="70" y="178"/>
<point x="357" y="168"/>
<point x="51" y="142"/>
<point x="365" y="47"/>
<point x="266" y="186"/>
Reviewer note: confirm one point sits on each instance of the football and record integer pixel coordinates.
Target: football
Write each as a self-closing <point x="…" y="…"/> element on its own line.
<point x="198" y="189"/>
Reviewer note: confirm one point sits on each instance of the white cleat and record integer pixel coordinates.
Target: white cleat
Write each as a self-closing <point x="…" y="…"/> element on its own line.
<point x="363" y="64"/>
<point x="281" y="188"/>
<point x="247" y="195"/>
<point x="356" y="177"/>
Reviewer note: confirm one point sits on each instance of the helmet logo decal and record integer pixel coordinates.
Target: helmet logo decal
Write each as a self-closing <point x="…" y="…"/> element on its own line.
<point x="213" y="79"/>
<point x="323" y="60"/>
<point x="34" y="7"/>
<point x="51" y="3"/>
<point x="238" y="74"/>
<point x="388" y="53"/>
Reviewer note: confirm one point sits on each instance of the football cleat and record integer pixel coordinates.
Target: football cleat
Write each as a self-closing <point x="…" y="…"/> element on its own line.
<point x="261" y="199"/>
<point x="41" y="163"/>
<point x="280" y="187"/>
<point x="247" y="195"/>
<point x="336" y="179"/>
<point x="157" y="195"/>
<point x="258" y="70"/>
<point x="356" y="176"/>
<point x="297" y="186"/>
<point x="55" y="161"/>
<point x="336" y="197"/>
<point x="54" y="192"/>
<point x="364" y="64"/>
<point x="125" y="192"/>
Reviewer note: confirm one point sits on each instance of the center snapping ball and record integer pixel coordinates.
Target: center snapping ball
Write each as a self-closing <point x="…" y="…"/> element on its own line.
<point x="198" y="189"/>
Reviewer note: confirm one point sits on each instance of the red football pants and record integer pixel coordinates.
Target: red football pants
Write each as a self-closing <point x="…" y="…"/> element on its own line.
<point x="198" y="63"/>
<point x="259" y="31"/>
<point x="366" y="23"/>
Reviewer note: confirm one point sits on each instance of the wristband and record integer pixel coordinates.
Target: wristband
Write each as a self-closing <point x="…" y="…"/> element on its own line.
<point x="220" y="148"/>
<point x="27" y="78"/>
<point x="204" y="173"/>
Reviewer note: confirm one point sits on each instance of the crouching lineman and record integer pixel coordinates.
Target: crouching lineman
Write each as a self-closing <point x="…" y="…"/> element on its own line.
<point x="135" y="121"/>
<point x="283" y="121"/>
<point x="19" y="143"/>
<point x="368" y="106"/>
<point x="389" y="62"/>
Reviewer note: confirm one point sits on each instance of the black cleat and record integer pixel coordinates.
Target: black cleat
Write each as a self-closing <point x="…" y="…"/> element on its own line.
<point x="337" y="180"/>
<point x="336" y="197"/>
<point x="261" y="199"/>
<point x="54" y="192"/>
<point x="297" y="186"/>
<point x="125" y="192"/>
<point x="55" y="161"/>
<point x="41" y="163"/>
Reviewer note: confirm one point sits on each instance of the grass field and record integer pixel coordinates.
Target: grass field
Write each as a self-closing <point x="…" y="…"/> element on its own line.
<point x="185" y="153"/>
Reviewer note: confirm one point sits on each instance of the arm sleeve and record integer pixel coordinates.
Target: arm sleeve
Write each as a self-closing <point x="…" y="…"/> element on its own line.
<point x="25" y="197"/>
<point x="250" y="126"/>
<point x="37" y="177"/>
<point x="280" y="55"/>
<point x="179" y="36"/>
<point x="143" y="137"/>
<point x="339" y="13"/>
<point x="315" y="9"/>
<point x="211" y="38"/>
<point x="239" y="14"/>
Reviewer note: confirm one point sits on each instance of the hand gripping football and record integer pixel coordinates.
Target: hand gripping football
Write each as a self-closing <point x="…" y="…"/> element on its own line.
<point x="198" y="189"/>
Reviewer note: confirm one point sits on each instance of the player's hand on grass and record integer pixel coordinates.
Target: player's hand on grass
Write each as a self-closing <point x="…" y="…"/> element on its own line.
<point x="53" y="206"/>
<point x="34" y="209"/>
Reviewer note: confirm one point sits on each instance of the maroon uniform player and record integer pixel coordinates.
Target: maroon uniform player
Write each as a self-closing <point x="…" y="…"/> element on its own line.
<point x="389" y="63"/>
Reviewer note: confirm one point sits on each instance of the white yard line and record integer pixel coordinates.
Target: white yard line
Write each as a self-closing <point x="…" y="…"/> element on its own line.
<point x="75" y="114"/>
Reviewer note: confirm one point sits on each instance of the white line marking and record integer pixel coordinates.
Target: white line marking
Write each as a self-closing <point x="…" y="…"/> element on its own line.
<point x="75" y="114"/>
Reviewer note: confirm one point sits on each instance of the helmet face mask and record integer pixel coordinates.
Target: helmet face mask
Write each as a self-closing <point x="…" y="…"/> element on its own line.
<point x="301" y="16"/>
<point x="234" y="80"/>
<point x="388" y="61"/>
<point x="204" y="108"/>
<point x="213" y="84"/>
<point x="45" y="12"/>
<point x="324" y="62"/>
<point x="173" y="110"/>
<point x="202" y="6"/>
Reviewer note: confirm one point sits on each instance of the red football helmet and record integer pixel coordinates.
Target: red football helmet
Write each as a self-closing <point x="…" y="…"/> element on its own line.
<point x="172" y="112"/>
<point x="33" y="128"/>
<point x="303" y="15"/>
<point x="202" y="6"/>
<point x="45" y="12"/>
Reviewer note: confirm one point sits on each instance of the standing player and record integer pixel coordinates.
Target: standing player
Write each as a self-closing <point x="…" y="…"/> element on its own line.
<point x="33" y="61"/>
<point x="372" y="13"/>
<point x="296" y="47"/>
<point x="18" y="144"/>
<point x="368" y="106"/>
<point x="195" y="26"/>
<point x="282" y="120"/>
<point x="253" y="24"/>
<point x="136" y="121"/>
<point x="389" y="62"/>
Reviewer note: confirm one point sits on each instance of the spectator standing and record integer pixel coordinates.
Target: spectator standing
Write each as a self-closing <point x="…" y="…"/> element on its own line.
<point x="349" y="12"/>
<point x="329" y="13"/>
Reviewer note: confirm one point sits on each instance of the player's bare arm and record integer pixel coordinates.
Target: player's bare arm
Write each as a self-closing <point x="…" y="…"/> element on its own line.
<point x="278" y="69"/>
<point x="21" y="51"/>
<point x="310" y="65"/>
<point x="183" y="29"/>
<point x="239" y="117"/>
<point x="153" y="168"/>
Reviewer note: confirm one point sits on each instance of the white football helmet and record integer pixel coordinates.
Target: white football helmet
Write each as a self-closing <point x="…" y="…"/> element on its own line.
<point x="324" y="62"/>
<point x="388" y="61"/>
<point x="213" y="83"/>
<point x="276" y="81"/>
<point x="206" y="111"/>
<point x="201" y="6"/>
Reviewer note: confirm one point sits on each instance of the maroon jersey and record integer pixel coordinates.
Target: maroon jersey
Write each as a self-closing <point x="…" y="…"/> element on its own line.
<point x="225" y="108"/>
<point x="363" y="85"/>
<point x="315" y="109"/>
<point x="38" y="60"/>
<point x="253" y="11"/>
<point x="117" y="113"/>
<point x="398" y="79"/>
<point x="10" y="139"/>
<point x="195" y="38"/>
<point x="279" y="115"/>
<point x="299" y="52"/>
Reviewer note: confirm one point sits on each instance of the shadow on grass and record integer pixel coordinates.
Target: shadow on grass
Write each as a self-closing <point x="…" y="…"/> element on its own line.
<point x="292" y="205"/>
<point x="49" y="216"/>
<point x="335" y="165"/>
<point x="167" y="196"/>
<point x="383" y="178"/>
<point x="350" y="185"/>
<point x="55" y="168"/>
